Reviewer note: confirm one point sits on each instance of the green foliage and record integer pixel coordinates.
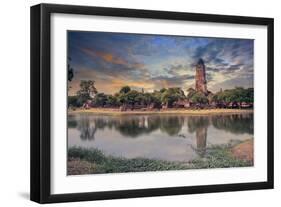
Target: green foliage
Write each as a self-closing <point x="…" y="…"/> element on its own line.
<point x="238" y="94"/>
<point x="215" y="157"/>
<point x="110" y="164"/>
<point x="73" y="101"/>
<point x="87" y="88"/>
<point x="163" y="90"/>
<point x="191" y="92"/>
<point x="199" y="97"/>
<point x="218" y="157"/>
<point x="100" y="99"/>
<point x="154" y="98"/>
<point x="129" y="97"/>
<point x="165" y="96"/>
<point x="170" y="95"/>
<point x="70" y="70"/>
<point x="112" y="101"/>
<point x="125" y="89"/>
<point x="149" y="98"/>
<point x="134" y="97"/>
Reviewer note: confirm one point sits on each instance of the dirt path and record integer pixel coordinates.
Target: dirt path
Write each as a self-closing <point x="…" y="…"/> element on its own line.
<point x="166" y="111"/>
<point x="78" y="167"/>
<point x="244" y="151"/>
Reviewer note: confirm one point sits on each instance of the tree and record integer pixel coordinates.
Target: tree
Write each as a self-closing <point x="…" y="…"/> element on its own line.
<point x="141" y="99"/>
<point x="134" y="97"/>
<point x="70" y="71"/>
<point x="237" y="94"/>
<point x="87" y="88"/>
<point x="112" y="101"/>
<point x="152" y="99"/>
<point x="100" y="99"/>
<point x="171" y="95"/>
<point x="163" y="90"/>
<point x="191" y="92"/>
<point x="199" y="97"/>
<point x="250" y="95"/>
<point x="125" y="89"/>
<point x="131" y="97"/>
<point x="73" y="101"/>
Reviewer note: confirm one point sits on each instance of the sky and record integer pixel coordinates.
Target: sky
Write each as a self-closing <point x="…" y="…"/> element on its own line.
<point x="152" y="62"/>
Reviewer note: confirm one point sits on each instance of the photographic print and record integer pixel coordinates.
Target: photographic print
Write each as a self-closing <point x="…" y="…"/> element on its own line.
<point x="148" y="102"/>
<point x="130" y="103"/>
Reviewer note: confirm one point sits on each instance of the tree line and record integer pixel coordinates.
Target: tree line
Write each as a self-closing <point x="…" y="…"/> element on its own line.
<point x="166" y="97"/>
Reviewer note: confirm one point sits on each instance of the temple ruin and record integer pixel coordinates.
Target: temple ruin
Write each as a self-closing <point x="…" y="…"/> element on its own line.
<point x="200" y="77"/>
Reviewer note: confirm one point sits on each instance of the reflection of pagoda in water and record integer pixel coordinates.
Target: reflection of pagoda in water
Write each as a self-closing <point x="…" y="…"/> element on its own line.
<point x="201" y="140"/>
<point x="199" y="125"/>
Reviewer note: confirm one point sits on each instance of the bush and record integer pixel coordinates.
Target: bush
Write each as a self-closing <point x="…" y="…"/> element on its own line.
<point x="73" y="101"/>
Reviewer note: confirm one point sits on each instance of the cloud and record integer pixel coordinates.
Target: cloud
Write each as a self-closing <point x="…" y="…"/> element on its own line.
<point x="222" y="52"/>
<point x="177" y="79"/>
<point x="155" y="61"/>
<point x="174" y="81"/>
<point x="110" y="58"/>
<point x="111" y="65"/>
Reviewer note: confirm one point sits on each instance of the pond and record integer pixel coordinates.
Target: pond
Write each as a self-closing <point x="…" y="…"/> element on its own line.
<point x="161" y="137"/>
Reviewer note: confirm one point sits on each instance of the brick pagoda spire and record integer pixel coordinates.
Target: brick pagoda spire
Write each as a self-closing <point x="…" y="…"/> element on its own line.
<point x="200" y="77"/>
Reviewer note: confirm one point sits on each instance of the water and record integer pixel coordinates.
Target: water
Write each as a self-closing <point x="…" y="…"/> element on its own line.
<point x="163" y="137"/>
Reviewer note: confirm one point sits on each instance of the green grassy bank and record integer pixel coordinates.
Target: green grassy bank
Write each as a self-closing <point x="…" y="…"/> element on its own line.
<point x="93" y="161"/>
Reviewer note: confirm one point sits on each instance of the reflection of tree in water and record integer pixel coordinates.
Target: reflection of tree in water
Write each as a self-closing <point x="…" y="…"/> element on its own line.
<point x="87" y="131"/>
<point x="71" y="123"/>
<point x="199" y="125"/>
<point x="171" y="125"/>
<point x="135" y="126"/>
<point x="195" y="122"/>
<point x="101" y="123"/>
<point x="131" y="127"/>
<point x="238" y="123"/>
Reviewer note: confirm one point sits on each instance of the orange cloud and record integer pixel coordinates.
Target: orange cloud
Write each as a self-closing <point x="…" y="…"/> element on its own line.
<point x="118" y="83"/>
<point x="108" y="57"/>
<point x="108" y="84"/>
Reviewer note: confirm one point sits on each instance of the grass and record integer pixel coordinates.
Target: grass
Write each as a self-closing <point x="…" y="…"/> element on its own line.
<point x="94" y="161"/>
<point x="218" y="157"/>
<point x="110" y="164"/>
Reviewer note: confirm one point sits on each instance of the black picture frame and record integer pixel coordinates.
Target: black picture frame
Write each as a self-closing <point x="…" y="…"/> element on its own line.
<point x="41" y="99"/>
